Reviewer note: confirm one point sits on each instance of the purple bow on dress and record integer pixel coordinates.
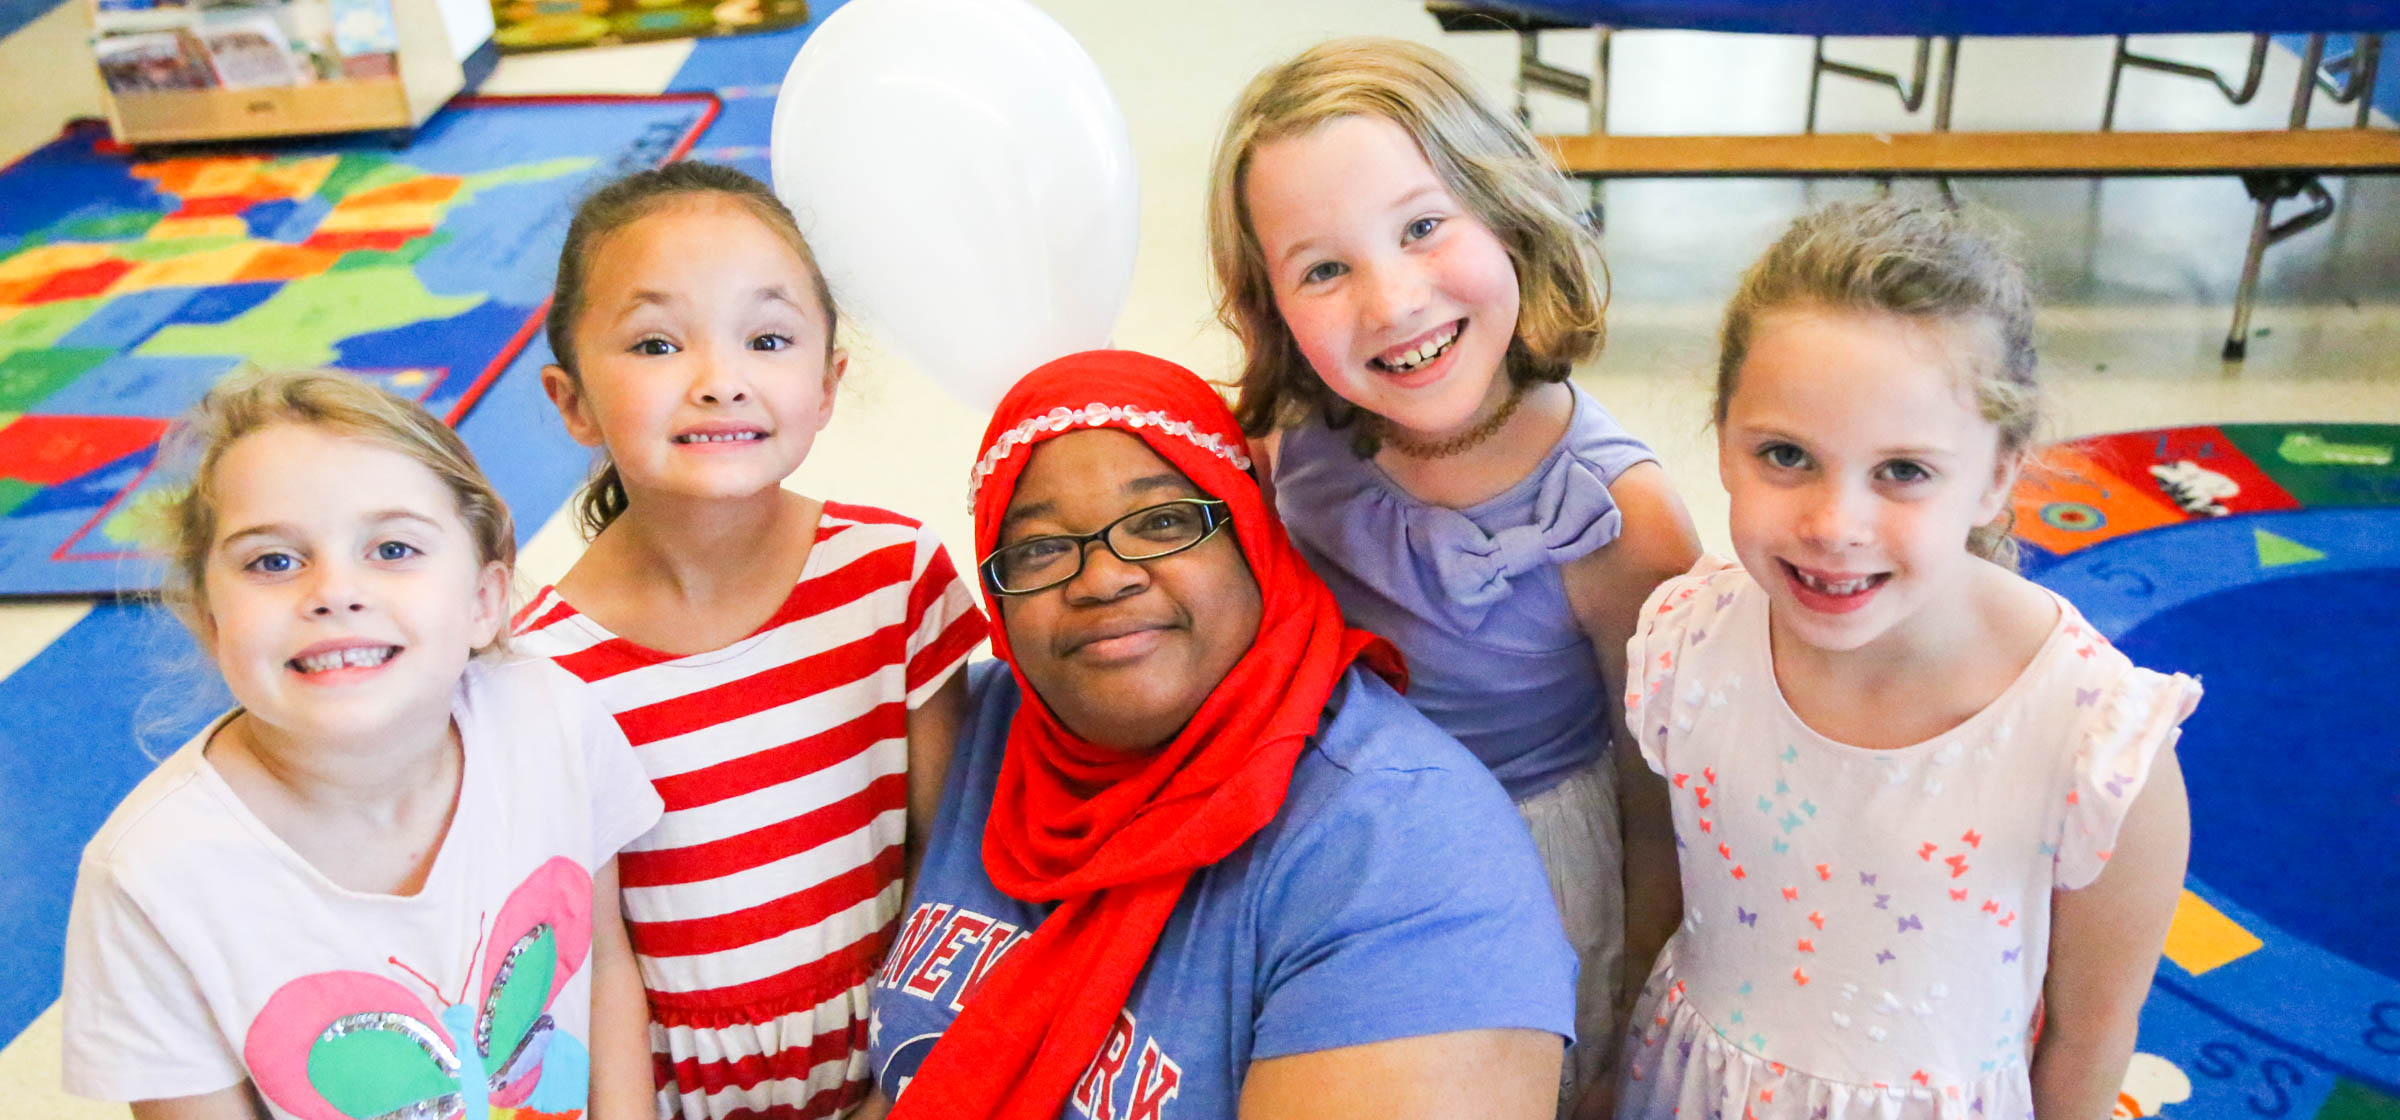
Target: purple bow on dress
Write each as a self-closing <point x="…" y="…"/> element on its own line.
<point x="1473" y="568"/>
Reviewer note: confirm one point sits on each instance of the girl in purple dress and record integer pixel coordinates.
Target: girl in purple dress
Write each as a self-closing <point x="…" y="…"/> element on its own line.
<point x="1412" y="283"/>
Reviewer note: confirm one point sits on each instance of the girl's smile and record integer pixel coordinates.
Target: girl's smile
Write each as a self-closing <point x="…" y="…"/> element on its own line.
<point x="1857" y="465"/>
<point x="340" y="662"/>
<point x="343" y="595"/>
<point x="1403" y="302"/>
<point x="1830" y="592"/>
<point x="1417" y="355"/>
<point x="703" y="358"/>
<point x="726" y="437"/>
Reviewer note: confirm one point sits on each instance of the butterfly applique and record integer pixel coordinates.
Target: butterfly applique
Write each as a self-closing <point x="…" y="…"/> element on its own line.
<point x="360" y="1046"/>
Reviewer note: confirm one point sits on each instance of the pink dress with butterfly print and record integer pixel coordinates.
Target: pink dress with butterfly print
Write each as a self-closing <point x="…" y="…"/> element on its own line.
<point x="202" y="951"/>
<point x="1865" y="931"/>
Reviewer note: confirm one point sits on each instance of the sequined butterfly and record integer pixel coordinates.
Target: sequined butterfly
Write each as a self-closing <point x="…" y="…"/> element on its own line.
<point x="359" y="1046"/>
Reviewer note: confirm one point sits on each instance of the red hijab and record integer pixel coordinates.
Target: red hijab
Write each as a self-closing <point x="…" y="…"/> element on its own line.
<point x="1116" y="861"/>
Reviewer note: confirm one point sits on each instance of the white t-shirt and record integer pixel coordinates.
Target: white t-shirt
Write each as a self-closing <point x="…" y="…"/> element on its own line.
<point x="202" y="950"/>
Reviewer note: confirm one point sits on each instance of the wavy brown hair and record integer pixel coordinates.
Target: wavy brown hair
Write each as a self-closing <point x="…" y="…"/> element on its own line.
<point x="1928" y="263"/>
<point x="1484" y="158"/>
<point x="616" y="206"/>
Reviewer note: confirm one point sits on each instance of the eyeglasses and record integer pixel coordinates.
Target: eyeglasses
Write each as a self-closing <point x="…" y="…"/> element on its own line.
<point x="1041" y="563"/>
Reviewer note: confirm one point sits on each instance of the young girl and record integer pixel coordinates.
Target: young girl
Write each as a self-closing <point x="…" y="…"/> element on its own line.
<point x="785" y="668"/>
<point x="1412" y="284"/>
<point x="385" y="884"/>
<point x="1932" y="826"/>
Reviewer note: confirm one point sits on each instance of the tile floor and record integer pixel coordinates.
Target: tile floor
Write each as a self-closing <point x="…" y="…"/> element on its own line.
<point x="2138" y="276"/>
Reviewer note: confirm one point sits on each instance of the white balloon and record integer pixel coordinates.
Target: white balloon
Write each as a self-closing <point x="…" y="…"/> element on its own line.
<point x="966" y="182"/>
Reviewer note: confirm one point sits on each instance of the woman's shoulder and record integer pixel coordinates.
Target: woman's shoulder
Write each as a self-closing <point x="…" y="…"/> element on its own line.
<point x="1397" y="854"/>
<point x="1376" y="752"/>
<point x="992" y="698"/>
<point x="992" y="695"/>
<point x="1370" y="726"/>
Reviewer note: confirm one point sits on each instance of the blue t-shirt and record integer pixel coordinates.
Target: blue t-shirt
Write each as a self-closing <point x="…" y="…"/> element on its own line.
<point x="1395" y="894"/>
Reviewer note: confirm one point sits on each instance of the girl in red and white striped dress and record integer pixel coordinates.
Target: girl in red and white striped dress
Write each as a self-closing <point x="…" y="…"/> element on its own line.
<point x="786" y="669"/>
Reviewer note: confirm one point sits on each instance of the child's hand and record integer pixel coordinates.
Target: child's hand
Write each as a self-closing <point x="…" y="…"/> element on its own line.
<point x="873" y="1108"/>
<point x="1599" y="1101"/>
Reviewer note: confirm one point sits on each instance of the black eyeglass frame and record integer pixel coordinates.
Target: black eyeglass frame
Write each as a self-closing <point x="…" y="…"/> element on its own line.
<point x="1215" y="515"/>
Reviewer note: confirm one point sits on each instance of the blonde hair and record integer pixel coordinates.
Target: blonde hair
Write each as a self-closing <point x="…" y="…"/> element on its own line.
<point x="336" y="402"/>
<point x="1927" y="263"/>
<point x="1484" y="158"/>
<point x="620" y="204"/>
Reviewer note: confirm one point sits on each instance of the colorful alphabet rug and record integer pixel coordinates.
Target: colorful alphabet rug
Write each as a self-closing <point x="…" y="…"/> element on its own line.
<point x="128" y="285"/>
<point x="2264" y="559"/>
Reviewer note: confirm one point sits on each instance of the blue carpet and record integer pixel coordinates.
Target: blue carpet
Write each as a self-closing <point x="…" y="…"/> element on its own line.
<point x="15" y="14"/>
<point x="138" y="283"/>
<point x="124" y="687"/>
<point x="2306" y="837"/>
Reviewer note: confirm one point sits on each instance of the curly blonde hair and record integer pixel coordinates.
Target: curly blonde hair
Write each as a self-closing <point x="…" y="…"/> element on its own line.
<point x="1927" y="263"/>
<point x="1484" y="158"/>
<point x="186" y="524"/>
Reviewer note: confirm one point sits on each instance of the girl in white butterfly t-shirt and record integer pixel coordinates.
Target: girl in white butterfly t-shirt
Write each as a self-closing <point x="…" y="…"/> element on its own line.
<point x="386" y="883"/>
<point x="1930" y="822"/>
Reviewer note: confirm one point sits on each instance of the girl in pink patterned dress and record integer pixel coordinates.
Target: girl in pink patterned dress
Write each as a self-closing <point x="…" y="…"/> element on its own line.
<point x="1932" y="828"/>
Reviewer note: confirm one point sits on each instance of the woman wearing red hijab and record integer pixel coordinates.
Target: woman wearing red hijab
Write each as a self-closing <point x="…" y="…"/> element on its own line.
<point x="1196" y="857"/>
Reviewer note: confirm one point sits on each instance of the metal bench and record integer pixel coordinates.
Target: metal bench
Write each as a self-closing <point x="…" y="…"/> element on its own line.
<point x="2274" y="165"/>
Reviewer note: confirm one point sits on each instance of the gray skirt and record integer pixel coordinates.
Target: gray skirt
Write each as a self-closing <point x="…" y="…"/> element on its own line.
<point x="1574" y="826"/>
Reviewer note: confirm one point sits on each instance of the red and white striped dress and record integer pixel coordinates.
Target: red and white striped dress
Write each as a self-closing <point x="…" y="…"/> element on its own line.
<point x="764" y="899"/>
